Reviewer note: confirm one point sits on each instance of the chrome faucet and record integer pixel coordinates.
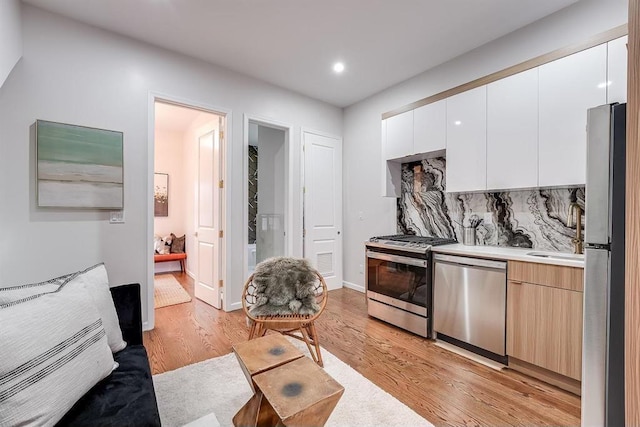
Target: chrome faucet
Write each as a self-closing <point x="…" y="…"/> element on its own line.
<point x="575" y="218"/>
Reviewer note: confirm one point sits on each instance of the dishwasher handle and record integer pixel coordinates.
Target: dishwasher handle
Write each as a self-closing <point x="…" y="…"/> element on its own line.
<point x="472" y="262"/>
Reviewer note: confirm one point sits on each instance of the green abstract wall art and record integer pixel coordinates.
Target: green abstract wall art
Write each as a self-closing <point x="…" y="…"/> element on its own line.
<point x="79" y="167"/>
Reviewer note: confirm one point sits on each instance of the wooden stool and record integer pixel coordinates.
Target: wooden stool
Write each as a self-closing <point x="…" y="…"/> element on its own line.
<point x="296" y="392"/>
<point x="264" y="353"/>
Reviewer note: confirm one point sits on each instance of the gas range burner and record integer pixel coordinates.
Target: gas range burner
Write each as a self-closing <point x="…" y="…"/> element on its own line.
<point x="409" y="242"/>
<point x="417" y="240"/>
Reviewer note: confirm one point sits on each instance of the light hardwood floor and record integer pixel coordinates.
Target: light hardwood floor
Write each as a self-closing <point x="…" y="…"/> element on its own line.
<point x="443" y="387"/>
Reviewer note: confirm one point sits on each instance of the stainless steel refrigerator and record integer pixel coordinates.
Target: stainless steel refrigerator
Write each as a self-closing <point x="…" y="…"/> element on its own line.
<point x="603" y="327"/>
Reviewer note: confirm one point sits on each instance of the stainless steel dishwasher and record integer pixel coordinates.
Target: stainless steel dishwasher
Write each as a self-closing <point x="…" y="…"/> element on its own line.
<point x="470" y="301"/>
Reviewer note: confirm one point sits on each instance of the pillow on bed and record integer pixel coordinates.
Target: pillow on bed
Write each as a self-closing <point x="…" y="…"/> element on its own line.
<point x="53" y="349"/>
<point x="177" y="244"/>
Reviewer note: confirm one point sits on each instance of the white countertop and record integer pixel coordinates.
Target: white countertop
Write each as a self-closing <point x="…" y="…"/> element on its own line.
<point x="508" y="253"/>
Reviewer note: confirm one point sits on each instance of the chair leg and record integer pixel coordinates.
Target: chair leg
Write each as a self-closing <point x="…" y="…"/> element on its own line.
<point x="261" y="330"/>
<point x="314" y="334"/>
<point x="307" y="340"/>
<point x="252" y="330"/>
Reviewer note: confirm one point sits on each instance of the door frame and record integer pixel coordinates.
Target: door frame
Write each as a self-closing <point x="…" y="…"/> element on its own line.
<point x="288" y="179"/>
<point x="154" y="97"/>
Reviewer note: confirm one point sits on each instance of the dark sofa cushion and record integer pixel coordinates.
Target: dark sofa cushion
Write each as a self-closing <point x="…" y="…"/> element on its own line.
<point x="126" y="299"/>
<point x="124" y="398"/>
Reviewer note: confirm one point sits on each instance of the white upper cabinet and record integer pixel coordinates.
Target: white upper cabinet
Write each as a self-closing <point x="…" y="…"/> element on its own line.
<point x="617" y="70"/>
<point x="430" y="127"/>
<point x="467" y="141"/>
<point x="399" y="138"/>
<point x="385" y="173"/>
<point x="527" y="130"/>
<point x="567" y="88"/>
<point x="512" y="132"/>
<point x="390" y="170"/>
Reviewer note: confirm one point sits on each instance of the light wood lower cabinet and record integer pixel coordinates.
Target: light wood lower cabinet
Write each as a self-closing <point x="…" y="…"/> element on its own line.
<point x="544" y="327"/>
<point x="544" y="321"/>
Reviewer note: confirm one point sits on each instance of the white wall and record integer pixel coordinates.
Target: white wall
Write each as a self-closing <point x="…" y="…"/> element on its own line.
<point x="270" y="170"/>
<point x="271" y="191"/>
<point x="10" y="37"/>
<point x="75" y="73"/>
<point x="169" y="159"/>
<point x="362" y="154"/>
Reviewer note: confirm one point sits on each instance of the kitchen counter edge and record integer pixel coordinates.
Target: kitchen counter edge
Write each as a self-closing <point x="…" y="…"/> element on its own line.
<point x="504" y="253"/>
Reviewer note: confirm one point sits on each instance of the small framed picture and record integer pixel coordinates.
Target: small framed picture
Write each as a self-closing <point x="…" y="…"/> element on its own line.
<point x="161" y="194"/>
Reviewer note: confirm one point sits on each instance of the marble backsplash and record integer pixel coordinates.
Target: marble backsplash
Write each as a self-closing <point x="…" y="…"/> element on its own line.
<point x="522" y="218"/>
<point x="253" y="193"/>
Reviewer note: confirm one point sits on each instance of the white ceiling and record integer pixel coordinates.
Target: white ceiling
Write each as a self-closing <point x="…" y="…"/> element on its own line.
<point x="293" y="43"/>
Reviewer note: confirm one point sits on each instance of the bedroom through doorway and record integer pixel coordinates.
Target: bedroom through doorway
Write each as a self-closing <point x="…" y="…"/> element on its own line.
<point x="187" y="200"/>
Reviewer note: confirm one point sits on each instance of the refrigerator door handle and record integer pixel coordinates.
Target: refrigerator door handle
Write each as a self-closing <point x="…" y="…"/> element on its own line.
<point x="594" y="337"/>
<point x="597" y="190"/>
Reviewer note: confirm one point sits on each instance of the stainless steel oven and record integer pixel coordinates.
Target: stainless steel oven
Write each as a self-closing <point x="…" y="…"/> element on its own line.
<point x="399" y="281"/>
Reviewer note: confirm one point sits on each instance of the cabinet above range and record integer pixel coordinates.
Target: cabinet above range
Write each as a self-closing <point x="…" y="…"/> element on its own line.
<point x="412" y="135"/>
<point x="422" y="130"/>
<point x="523" y="127"/>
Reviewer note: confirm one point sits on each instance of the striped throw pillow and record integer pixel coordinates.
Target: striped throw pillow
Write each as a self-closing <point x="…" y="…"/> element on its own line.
<point x="93" y="279"/>
<point x="53" y="349"/>
<point x="31" y="290"/>
<point x="96" y="282"/>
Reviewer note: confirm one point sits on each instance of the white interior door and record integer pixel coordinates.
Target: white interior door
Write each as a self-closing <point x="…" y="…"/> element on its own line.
<point x="207" y="287"/>
<point x="323" y="206"/>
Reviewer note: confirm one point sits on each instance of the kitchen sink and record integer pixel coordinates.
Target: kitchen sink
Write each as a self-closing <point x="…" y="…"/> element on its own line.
<point x="557" y="255"/>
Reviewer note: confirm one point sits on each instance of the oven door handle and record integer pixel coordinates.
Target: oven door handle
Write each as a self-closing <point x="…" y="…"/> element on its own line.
<point x="398" y="259"/>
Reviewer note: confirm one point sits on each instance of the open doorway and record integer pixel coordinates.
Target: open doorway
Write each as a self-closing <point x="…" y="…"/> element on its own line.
<point x="267" y="191"/>
<point x="187" y="205"/>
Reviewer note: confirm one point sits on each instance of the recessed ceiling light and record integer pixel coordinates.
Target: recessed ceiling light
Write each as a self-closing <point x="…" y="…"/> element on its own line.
<point x="604" y="84"/>
<point x="457" y="123"/>
<point x="338" y="67"/>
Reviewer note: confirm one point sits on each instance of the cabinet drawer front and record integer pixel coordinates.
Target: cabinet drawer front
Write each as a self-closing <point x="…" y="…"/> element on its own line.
<point x="544" y="327"/>
<point x="557" y="276"/>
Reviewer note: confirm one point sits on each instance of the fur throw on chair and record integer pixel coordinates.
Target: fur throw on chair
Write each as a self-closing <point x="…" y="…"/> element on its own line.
<point x="284" y="286"/>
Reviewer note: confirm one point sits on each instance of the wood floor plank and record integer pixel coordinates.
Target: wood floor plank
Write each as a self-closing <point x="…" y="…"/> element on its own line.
<point x="443" y="387"/>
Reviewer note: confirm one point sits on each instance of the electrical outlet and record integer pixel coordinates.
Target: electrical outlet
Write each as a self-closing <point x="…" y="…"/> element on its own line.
<point x="488" y="218"/>
<point x="116" y="217"/>
<point x="360" y="215"/>
<point x="361" y="268"/>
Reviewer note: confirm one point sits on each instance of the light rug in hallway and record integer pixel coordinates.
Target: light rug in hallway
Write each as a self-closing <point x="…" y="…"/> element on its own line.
<point x="168" y="291"/>
<point x="218" y="386"/>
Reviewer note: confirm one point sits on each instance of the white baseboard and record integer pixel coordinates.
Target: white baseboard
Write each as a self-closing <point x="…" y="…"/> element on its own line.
<point x="145" y="326"/>
<point x="191" y="274"/>
<point x="234" y="306"/>
<point x="353" y="286"/>
<point x="166" y="267"/>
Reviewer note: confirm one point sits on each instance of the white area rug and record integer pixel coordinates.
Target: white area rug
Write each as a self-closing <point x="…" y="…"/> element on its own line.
<point x="218" y="386"/>
<point x="208" y="420"/>
<point x="168" y="291"/>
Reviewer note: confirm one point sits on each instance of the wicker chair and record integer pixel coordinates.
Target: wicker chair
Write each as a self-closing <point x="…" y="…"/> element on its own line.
<point x="298" y="326"/>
